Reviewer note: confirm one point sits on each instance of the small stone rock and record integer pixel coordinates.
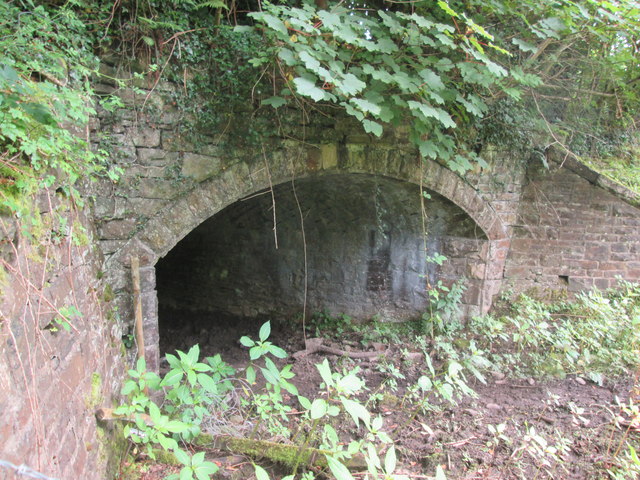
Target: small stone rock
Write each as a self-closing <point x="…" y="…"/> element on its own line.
<point x="581" y="381"/>
<point x="493" y="406"/>
<point x="531" y="381"/>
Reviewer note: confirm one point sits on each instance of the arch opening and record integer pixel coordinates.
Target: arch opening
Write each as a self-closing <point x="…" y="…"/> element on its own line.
<point x="363" y="248"/>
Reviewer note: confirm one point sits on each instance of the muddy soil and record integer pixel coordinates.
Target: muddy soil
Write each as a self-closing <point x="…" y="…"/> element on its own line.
<point x="515" y="428"/>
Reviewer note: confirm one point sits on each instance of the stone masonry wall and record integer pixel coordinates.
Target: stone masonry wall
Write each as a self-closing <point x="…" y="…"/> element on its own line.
<point x="174" y="180"/>
<point x="52" y="380"/>
<point x="172" y="183"/>
<point x="363" y="250"/>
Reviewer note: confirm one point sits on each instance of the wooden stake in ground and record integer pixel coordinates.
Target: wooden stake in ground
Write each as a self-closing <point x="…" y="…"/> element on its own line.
<point x="137" y="305"/>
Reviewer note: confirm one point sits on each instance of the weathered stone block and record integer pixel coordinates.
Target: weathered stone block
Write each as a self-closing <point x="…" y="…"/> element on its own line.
<point x="145" y="137"/>
<point x="155" y="156"/>
<point x="329" y="156"/>
<point x="200" y="167"/>
<point x="117" y="229"/>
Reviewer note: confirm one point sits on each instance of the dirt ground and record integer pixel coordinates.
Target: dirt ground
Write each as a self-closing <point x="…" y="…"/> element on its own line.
<point x="516" y="428"/>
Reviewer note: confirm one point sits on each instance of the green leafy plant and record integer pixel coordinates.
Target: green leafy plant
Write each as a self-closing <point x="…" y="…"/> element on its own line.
<point x="45" y="104"/>
<point x="189" y="389"/>
<point x="386" y="67"/>
<point x="596" y="334"/>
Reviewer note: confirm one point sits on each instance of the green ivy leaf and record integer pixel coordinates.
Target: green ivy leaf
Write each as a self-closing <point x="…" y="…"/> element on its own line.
<point x="351" y="85"/>
<point x="275" y="102"/>
<point x="307" y="87"/>
<point x="372" y="127"/>
<point x="274" y="23"/>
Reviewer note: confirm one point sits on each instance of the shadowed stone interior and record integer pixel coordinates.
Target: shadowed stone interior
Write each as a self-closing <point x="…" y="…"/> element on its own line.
<point x="365" y="251"/>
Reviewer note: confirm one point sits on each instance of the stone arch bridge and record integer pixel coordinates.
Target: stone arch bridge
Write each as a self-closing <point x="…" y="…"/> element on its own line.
<point x="350" y="219"/>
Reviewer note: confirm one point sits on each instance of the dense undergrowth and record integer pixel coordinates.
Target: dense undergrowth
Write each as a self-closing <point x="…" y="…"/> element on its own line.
<point x="343" y="428"/>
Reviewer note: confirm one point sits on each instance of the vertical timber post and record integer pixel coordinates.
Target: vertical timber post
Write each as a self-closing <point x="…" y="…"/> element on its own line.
<point x="137" y="305"/>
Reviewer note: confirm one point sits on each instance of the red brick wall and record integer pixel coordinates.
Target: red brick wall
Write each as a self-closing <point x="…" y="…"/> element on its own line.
<point x="572" y="233"/>
<point x="52" y="381"/>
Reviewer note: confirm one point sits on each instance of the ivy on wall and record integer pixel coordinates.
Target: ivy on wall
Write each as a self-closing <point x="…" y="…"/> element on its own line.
<point x="45" y="103"/>
<point x="430" y="65"/>
<point x="562" y="72"/>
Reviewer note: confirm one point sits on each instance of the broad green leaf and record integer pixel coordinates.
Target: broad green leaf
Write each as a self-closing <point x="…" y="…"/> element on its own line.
<point x="524" y="46"/>
<point x="307" y="87"/>
<point x="350" y="384"/>
<point x="197" y="458"/>
<point x="129" y="387"/>
<point x="330" y="20"/>
<point x="182" y="456"/>
<point x="372" y="127"/>
<point x="424" y="383"/>
<point x="432" y="79"/>
<point x="202" y="367"/>
<point x="192" y="377"/>
<point x="318" y="408"/>
<point x="331" y="435"/>
<point x="274" y="23"/>
<point x="287" y="56"/>
<point x="251" y="375"/>
<point x="167" y="443"/>
<point x="339" y="470"/>
<point x="373" y="456"/>
<point x="428" y="149"/>
<point x="247" y="342"/>
<point x="176" y="426"/>
<point x="357" y="411"/>
<point x="386" y="45"/>
<point x="390" y="460"/>
<point x="389" y="21"/>
<point x="265" y="331"/>
<point x="255" y="352"/>
<point x="366" y="106"/>
<point x="420" y="21"/>
<point x="186" y="473"/>
<point x="440" y="473"/>
<point x="205" y="470"/>
<point x="309" y="61"/>
<point x="208" y="383"/>
<point x="173" y="377"/>
<point x="325" y="372"/>
<point x="304" y="402"/>
<point x="446" y="8"/>
<point x="141" y="365"/>
<point x="270" y="377"/>
<point x="333" y="411"/>
<point x="277" y="351"/>
<point x="289" y="387"/>
<point x="275" y="102"/>
<point x="194" y="354"/>
<point x="430" y="112"/>
<point x="154" y="412"/>
<point x="351" y="85"/>
<point x="173" y="361"/>
<point x="261" y="473"/>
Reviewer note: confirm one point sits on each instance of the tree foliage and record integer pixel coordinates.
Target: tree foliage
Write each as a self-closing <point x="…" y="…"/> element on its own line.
<point x="434" y="66"/>
<point x="460" y="73"/>
<point x="45" y="93"/>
